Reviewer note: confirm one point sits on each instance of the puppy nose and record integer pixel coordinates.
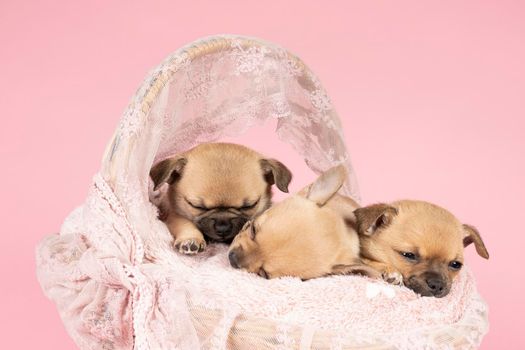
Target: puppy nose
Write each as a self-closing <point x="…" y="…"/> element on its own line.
<point x="436" y="285"/>
<point x="234" y="262"/>
<point x="222" y="227"/>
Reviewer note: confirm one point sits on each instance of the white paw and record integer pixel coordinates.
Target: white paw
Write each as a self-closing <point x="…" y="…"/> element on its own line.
<point x="393" y="277"/>
<point x="190" y="246"/>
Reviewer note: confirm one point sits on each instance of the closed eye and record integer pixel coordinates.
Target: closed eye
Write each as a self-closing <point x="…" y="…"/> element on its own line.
<point x="262" y="272"/>
<point x="253" y="231"/>
<point x="250" y="225"/>
<point x="249" y="206"/>
<point x="196" y="206"/>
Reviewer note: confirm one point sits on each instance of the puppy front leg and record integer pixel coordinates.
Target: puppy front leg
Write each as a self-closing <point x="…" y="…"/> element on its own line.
<point x="188" y="238"/>
<point x="357" y="268"/>
<point x="388" y="273"/>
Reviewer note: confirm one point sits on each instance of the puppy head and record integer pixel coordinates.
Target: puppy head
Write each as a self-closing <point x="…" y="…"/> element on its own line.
<point x="302" y="236"/>
<point x="422" y="241"/>
<point x="220" y="186"/>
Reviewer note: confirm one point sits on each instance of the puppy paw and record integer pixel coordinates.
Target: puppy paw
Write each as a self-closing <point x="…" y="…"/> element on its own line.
<point x="393" y="277"/>
<point x="190" y="246"/>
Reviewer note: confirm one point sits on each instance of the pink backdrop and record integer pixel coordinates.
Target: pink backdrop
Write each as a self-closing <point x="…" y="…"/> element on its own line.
<point x="431" y="97"/>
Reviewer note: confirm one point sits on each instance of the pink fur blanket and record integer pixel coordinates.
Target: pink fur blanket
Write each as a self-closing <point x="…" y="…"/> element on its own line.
<point x="108" y="301"/>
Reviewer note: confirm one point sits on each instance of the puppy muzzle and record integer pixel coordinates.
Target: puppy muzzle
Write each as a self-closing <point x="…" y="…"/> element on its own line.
<point x="221" y="227"/>
<point x="429" y="284"/>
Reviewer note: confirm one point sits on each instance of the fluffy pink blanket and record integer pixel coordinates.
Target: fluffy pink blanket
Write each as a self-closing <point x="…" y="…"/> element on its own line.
<point x="108" y="301"/>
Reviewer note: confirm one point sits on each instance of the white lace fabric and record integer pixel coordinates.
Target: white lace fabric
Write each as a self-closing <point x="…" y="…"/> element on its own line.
<point x="117" y="282"/>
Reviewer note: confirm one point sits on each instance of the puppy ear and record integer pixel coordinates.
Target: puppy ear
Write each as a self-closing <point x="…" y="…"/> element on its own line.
<point x="370" y="219"/>
<point x="326" y="185"/>
<point x="169" y="170"/>
<point x="472" y="236"/>
<point x="277" y="173"/>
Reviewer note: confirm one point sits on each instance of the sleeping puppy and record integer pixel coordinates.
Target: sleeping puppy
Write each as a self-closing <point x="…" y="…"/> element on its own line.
<point x="214" y="189"/>
<point x="415" y="243"/>
<point x="310" y="234"/>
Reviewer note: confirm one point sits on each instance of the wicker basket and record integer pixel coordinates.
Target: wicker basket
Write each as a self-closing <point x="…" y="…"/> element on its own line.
<point x="106" y="270"/>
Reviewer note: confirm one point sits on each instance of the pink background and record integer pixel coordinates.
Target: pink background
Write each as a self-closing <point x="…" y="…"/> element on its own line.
<point x="431" y="95"/>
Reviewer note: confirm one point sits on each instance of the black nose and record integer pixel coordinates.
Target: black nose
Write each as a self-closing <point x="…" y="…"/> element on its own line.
<point x="222" y="227"/>
<point x="436" y="285"/>
<point x="233" y="259"/>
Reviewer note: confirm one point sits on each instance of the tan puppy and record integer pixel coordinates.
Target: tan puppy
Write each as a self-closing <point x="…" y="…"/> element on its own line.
<point x="310" y="234"/>
<point x="415" y="243"/>
<point x="214" y="189"/>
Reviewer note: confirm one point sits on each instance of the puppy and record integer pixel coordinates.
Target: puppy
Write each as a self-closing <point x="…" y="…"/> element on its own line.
<point x="415" y="243"/>
<point x="310" y="234"/>
<point x="214" y="189"/>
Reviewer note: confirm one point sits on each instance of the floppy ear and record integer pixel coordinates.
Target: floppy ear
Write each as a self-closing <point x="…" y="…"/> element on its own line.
<point x="472" y="236"/>
<point x="169" y="170"/>
<point x="370" y="219"/>
<point x="326" y="185"/>
<point x="277" y="173"/>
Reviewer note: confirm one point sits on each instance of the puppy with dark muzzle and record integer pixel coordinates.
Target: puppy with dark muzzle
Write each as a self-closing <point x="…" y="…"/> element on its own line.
<point x="415" y="243"/>
<point x="214" y="189"/>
